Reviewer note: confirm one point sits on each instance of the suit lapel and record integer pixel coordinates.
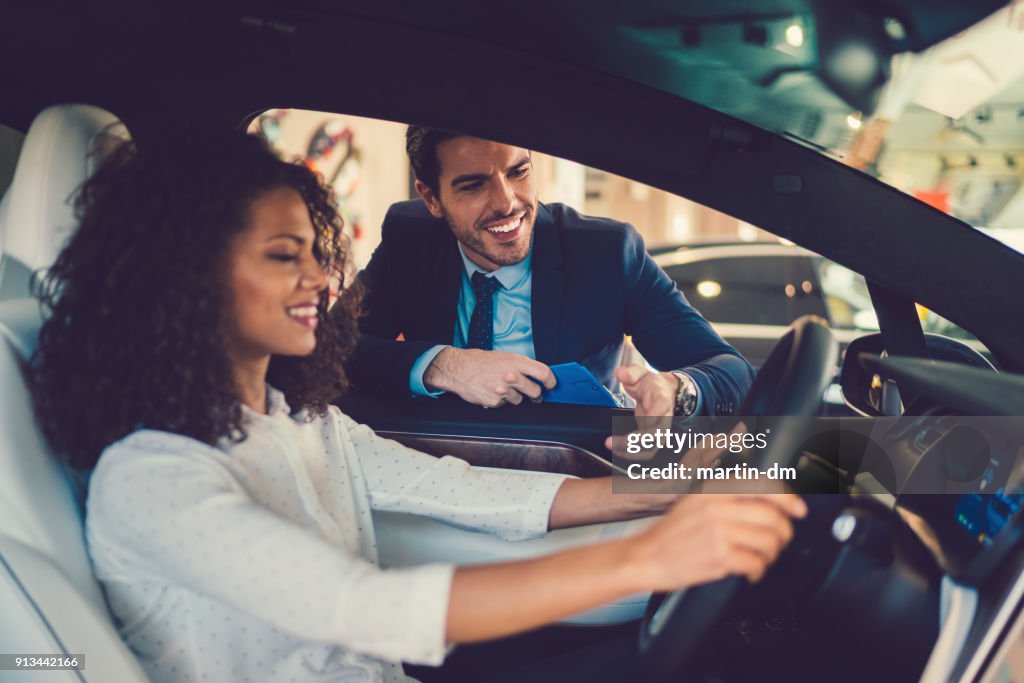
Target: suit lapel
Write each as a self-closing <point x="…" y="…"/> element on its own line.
<point x="548" y="282"/>
<point x="441" y="281"/>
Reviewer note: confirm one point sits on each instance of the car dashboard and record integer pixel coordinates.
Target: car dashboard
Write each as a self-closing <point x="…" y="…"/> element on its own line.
<point x="950" y="468"/>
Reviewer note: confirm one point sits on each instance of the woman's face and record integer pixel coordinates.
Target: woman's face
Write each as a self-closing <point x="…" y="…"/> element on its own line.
<point x="275" y="280"/>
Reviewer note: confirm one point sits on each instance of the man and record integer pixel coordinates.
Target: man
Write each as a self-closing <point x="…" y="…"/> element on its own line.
<point x="488" y="288"/>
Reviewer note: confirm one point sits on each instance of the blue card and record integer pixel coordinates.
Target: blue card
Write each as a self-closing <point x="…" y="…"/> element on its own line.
<point x="578" y="385"/>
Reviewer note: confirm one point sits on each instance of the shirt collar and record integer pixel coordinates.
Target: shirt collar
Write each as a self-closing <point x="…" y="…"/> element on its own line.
<point x="276" y="404"/>
<point x="508" y="276"/>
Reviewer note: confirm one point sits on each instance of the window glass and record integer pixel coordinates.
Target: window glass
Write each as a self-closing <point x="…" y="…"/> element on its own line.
<point x="364" y="161"/>
<point x="764" y="290"/>
<point x="849" y="305"/>
<point x="847" y="297"/>
<point x="936" y="324"/>
<point x="944" y="125"/>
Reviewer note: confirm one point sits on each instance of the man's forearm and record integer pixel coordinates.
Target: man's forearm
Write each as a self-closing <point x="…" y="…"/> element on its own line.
<point x="724" y="380"/>
<point x="591" y="501"/>
<point x="439" y="374"/>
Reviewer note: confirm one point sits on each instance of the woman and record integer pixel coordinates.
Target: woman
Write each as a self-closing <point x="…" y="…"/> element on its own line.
<point x="229" y="515"/>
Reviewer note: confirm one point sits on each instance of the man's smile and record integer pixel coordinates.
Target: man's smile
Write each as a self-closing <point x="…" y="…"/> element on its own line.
<point x="508" y="229"/>
<point x="507" y="226"/>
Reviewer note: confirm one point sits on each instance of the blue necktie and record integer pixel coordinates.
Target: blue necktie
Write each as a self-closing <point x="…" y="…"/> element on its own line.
<point x="481" y="324"/>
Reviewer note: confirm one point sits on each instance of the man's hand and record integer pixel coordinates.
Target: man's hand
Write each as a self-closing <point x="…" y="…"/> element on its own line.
<point x="488" y="378"/>
<point x="654" y="393"/>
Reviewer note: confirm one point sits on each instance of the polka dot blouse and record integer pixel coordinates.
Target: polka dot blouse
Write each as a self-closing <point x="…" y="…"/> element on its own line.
<point x="257" y="561"/>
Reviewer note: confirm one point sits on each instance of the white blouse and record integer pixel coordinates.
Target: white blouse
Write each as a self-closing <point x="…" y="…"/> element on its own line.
<point x="257" y="561"/>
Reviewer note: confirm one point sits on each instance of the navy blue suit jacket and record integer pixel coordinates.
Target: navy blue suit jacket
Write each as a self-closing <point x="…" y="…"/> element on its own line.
<point x="593" y="282"/>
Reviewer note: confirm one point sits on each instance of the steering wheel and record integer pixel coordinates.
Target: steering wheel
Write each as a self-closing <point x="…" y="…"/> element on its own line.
<point x="791" y="382"/>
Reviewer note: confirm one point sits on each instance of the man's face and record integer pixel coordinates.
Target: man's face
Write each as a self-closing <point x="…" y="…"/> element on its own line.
<point x="486" y="193"/>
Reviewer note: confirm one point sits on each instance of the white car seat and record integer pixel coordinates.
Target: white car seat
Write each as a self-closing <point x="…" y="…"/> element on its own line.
<point x="50" y="604"/>
<point x="36" y="215"/>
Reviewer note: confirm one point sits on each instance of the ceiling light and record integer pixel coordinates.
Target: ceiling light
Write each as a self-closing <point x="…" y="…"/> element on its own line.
<point x="854" y="52"/>
<point x="748" y="233"/>
<point x="894" y="28"/>
<point x="853" y="62"/>
<point x="795" y="34"/>
<point x="854" y="120"/>
<point x="709" y="289"/>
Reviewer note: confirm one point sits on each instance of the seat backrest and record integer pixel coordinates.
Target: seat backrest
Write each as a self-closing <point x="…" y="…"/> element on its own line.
<point x="38" y="503"/>
<point x="61" y="149"/>
<point x="50" y="603"/>
<point x="49" y="600"/>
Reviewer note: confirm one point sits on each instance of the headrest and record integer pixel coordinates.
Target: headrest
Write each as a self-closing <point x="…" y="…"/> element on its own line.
<point x="62" y="148"/>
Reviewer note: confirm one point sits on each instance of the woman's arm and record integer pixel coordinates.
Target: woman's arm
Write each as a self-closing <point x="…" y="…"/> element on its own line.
<point x="513" y="505"/>
<point x="702" y="538"/>
<point x="591" y="501"/>
<point x="167" y="510"/>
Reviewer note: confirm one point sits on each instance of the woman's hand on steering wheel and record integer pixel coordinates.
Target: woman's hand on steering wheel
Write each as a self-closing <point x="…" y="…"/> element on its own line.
<point x="706" y="537"/>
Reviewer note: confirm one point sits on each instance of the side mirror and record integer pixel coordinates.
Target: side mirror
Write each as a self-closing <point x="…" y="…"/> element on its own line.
<point x="862" y="390"/>
<point x="870" y="395"/>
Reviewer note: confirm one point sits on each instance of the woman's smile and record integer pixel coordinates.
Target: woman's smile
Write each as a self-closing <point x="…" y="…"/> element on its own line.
<point x="304" y="314"/>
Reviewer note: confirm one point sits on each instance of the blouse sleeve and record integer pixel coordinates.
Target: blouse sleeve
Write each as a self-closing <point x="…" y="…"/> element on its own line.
<point x="509" y="504"/>
<point x="176" y="514"/>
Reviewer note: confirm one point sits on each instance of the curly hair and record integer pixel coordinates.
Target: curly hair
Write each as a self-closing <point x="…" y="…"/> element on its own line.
<point x="137" y="301"/>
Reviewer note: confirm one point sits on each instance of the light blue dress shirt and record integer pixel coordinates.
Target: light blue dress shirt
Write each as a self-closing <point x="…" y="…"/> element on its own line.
<point x="513" y="324"/>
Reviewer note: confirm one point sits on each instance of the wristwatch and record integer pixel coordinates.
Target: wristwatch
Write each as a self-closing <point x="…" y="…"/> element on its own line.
<point x="686" y="395"/>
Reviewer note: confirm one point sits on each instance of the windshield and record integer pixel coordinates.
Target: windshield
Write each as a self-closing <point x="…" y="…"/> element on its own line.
<point x="949" y="127"/>
<point x="932" y="104"/>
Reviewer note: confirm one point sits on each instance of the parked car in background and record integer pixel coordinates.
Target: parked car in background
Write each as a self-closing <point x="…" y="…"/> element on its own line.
<point x="752" y="291"/>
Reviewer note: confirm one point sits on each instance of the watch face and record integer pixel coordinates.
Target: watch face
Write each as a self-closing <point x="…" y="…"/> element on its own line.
<point x="689" y="402"/>
<point x="686" y="397"/>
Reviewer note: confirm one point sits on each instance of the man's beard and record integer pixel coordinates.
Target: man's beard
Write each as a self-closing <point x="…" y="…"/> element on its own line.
<point x="472" y="238"/>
